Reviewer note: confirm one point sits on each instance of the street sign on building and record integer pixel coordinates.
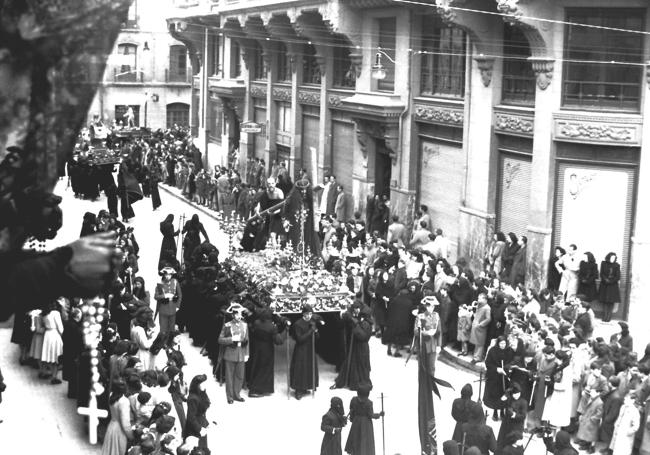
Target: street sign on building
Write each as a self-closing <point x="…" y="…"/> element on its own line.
<point x="250" y="127"/>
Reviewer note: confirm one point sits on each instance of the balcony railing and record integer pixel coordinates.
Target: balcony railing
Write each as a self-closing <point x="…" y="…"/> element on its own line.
<point x="179" y="77"/>
<point x="133" y="76"/>
<point x="613" y="95"/>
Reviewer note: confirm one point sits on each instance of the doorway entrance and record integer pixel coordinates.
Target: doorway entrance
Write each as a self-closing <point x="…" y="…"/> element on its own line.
<point x="383" y="169"/>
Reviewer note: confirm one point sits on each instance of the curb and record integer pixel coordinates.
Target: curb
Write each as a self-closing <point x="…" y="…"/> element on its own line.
<point x="194" y="205"/>
<point x="449" y="357"/>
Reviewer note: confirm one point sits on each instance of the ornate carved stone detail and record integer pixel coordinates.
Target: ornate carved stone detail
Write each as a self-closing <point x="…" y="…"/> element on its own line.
<point x="356" y="59"/>
<point x="485" y="65"/>
<point x="439" y="114"/>
<point x="309" y="97"/>
<point x="258" y="91"/>
<point x="265" y="16"/>
<point x="362" y="139"/>
<point x="389" y="132"/>
<point x="334" y="100"/>
<point x="445" y="9"/>
<point x="233" y="106"/>
<point x="596" y="132"/>
<point x="510" y="123"/>
<point x="511" y="10"/>
<point x="543" y="69"/>
<point x="282" y="94"/>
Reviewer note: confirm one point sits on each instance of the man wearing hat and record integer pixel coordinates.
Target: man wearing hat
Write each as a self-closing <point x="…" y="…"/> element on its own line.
<point x="234" y="341"/>
<point x="428" y="326"/>
<point x="168" y="296"/>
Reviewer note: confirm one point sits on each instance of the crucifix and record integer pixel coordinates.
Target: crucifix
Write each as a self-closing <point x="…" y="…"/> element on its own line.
<point x="93" y="315"/>
<point x="94" y="414"/>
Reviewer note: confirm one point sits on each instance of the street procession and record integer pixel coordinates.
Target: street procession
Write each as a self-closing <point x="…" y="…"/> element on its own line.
<point x="332" y="227"/>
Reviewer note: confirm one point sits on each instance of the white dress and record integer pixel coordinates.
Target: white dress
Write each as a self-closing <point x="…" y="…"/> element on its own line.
<point x="139" y="336"/>
<point x="52" y="342"/>
<point x="558" y="406"/>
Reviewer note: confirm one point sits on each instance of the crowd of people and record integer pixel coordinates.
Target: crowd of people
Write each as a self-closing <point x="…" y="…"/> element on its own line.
<point x="545" y="372"/>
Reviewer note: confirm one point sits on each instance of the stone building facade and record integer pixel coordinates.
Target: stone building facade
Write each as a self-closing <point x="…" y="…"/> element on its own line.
<point x="530" y="117"/>
<point x="148" y="70"/>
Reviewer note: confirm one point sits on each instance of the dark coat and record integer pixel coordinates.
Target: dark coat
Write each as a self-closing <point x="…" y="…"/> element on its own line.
<point x="304" y="367"/>
<point x="379" y="305"/>
<point x="518" y="269"/>
<point x="515" y="415"/>
<point x="398" y="323"/>
<point x="331" y="425"/>
<point x="610" y="275"/>
<point x="611" y="407"/>
<point x="587" y="276"/>
<point x="264" y="337"/>
<point x="460" y="411"/>
<point x="196" y="419"/>
<point x="73" y="344"/>
<point x="480" y="436"/>
<point x="361" y="439"/>
<point x="494" y="389"/>
<point x="358" y="360"/>
<point x="168" y="241"/>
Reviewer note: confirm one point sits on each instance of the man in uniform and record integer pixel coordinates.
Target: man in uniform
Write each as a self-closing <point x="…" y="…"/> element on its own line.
<point x="427" y="326"/>
<point x="234" y="340"/>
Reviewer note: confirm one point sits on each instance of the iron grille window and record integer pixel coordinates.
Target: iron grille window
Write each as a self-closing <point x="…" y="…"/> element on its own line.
<point x="283" y="64"/>
<point x="387" y="30"/>
<point x="602" y="66"/>
<point x="259" y="67"/>
<point x="310" y="68"/>
<point x="343" y="72"/>
<point x="442" y="70"/>
<point x="518" y="76"/>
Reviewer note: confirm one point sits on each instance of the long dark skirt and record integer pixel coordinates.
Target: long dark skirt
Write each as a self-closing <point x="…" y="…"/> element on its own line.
<point x="155" y="194"/>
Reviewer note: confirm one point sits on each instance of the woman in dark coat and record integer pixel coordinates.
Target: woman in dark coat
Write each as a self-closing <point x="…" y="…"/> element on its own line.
<point x="384" y="291"/>
<point x="303" y="372"/>
<point x="514" y="416"/>
<point x="398" y="320"/>
<point x="361" y="439"/>
<point x="554" y="276"/>
<point x="356" y="368"/>
<point x="264" y="337"/>
<point x="73" y="344"/>
<point x="178" y="391"/>
<point x="197" y="405"/>
<point x="609" y="293"/>
<point x="518" y="271"/>
<point x="332" y="424"/>
<point x="512" y="245"/>
<point x="168" y="240"/>
<point x="89" y="225"/>
<point x="155" y="177"/>
<point x="460" y="411"/>
<point x="496" y="379"/>
<point x="380" y="216"/>
<point x="587" y="276"/>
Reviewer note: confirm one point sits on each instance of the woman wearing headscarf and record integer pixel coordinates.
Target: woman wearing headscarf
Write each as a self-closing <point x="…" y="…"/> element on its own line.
<point x="168" y="242"/>
<point x="332" y="424"/>
<point x="384" y="291"/>
<point x="496" y="377"/>
<point x="197" y="406"/>
<point x="361" y="439"/>
<point x="89" y="225"/>
<point x="139" y="290"/>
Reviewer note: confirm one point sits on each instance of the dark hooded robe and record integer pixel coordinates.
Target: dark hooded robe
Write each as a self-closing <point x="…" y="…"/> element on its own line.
<point x="356" y="368"/>
<point x="513" y="420"/>
<point x="264" y="337"/>
<point x="361" y="439"/>
<point x="304" y="367"/>
<point x="301" y="196"/>
<point x="494" y="382"/>
<point x="460" y="411"/>
<point x="332" y="424"/>
<point x="168" y="241"/>
<point x="193" y="229"/>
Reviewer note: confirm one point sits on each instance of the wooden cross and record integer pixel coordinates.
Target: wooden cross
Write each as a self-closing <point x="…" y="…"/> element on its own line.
<point x="94" y="414"/>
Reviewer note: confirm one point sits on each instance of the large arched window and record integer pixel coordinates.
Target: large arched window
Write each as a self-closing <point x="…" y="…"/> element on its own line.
<point x="128" y="59"/>
<point x="443" y="59"/>
<point x="178" y="114"/>
<point x="518" y="75"/>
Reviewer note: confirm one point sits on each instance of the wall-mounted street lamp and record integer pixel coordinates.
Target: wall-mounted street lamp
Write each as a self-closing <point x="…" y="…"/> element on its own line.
<point x="378" y="70"/>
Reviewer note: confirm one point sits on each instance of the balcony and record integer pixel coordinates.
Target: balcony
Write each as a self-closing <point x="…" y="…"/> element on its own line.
<point x="133" y="76"/>
<point x="178" y="77"/>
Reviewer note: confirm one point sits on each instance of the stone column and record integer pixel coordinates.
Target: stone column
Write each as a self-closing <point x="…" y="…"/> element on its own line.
<point x="325" y="126"/>
<point x="640" y="254"/>
<point x="477" y="214"/>
<point x="547" y="100"/>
